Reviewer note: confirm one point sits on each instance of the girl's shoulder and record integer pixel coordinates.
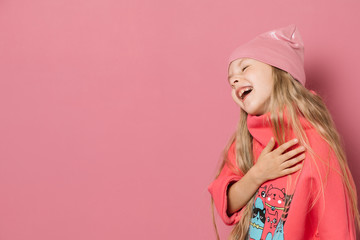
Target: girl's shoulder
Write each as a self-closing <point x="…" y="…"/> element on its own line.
<point x="323" y="158"/>
<point x="317" y="142"/>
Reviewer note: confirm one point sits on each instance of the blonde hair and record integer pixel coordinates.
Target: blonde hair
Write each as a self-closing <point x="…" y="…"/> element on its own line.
<point x="289" y="94"/>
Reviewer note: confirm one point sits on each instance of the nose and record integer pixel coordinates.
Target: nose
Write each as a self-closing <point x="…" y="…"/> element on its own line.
<point x="234" y="82"/>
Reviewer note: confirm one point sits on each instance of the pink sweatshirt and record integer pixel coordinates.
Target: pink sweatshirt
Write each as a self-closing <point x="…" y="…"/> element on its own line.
<point x="330" y="218"/>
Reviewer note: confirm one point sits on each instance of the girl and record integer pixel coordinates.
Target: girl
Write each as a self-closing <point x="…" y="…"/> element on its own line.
<point x="284" y="173"/>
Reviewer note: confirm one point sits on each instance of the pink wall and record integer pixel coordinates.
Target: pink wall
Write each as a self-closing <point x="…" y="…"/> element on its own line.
<point x="114" y="113"/>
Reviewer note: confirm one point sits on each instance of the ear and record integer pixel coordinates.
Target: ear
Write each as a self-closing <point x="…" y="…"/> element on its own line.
<point x="283" y="191"/>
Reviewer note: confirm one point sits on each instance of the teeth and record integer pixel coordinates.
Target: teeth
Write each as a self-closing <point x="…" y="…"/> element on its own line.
<point x="244" y="90"/>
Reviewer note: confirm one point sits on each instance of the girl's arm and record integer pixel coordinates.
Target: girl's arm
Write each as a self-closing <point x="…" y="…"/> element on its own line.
<point x="218" y="188"/>
<point x="335" y="220"/>
<point x="332" y="208"/>
<point x="240" y="192"/>
<point x="233" y="189"/>
<point x="270" y="165"/>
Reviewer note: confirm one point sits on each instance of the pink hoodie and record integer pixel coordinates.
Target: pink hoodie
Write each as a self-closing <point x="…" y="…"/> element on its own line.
<point x="330" y="218"/>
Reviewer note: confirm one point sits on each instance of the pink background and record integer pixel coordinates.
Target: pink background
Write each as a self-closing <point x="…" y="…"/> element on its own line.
<point x="114" y="113"/>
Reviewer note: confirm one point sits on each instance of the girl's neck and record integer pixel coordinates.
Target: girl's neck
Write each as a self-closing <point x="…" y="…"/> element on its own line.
<point x="261" y="127"/>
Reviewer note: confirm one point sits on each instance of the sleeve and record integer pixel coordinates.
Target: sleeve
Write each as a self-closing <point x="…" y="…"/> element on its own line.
<point x="333" y="207"/>
<point x="218" y="189"/>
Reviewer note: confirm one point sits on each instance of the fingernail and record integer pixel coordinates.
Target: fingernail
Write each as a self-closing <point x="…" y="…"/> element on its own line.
<point x="296" y="140"/>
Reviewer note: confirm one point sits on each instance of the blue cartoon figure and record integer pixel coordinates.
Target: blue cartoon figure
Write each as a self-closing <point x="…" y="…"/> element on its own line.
<point x="279" y="232"/>
<point x="257" y="220"/>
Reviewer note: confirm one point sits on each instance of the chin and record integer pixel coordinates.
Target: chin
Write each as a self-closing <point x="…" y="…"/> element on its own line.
<point x="254" y="113"/>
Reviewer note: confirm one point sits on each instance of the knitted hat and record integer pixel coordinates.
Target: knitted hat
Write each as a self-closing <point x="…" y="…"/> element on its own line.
<point x="282" y="48"/>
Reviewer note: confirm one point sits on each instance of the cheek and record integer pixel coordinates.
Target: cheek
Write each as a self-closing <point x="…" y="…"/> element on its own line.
<point x="268" y="92"/>
<point x="265" y="92"/>
<point x="270" y="86"/>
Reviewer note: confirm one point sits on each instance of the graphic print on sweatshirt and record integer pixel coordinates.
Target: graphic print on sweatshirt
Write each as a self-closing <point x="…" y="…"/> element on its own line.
<point x="269" y="213"/>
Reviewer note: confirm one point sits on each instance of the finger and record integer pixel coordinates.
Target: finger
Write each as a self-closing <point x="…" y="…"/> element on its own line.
<point x="293" y="161"/>
<point x="293" y="153"/>
<point x="269" y="146"/>
<point x="286" y="145"/>
<point x="291" y="170"/>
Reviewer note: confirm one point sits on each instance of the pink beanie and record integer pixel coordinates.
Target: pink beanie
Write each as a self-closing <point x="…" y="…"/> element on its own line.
<point x="282" y="48"/>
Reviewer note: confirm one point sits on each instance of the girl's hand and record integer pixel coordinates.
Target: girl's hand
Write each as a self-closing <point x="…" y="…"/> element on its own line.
<point x="276" y="163"/>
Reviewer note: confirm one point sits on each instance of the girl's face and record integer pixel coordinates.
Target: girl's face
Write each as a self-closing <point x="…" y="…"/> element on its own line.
<point x="252" y="84"/>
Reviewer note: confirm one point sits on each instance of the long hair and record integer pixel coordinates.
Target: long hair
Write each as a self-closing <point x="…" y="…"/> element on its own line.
<point x="289" y="94"/>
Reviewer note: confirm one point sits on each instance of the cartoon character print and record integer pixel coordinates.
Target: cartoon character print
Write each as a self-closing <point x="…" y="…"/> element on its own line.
<point x="257" y="220"/>
<point x="272" y="220"/>
<point x="275" y="200"/>
<point x="261" y="193"/>
<point x="259" y="204"/>
<point x="279" y="231"/>
<point x="269" y="236"/>
<point x="269" y="214"/>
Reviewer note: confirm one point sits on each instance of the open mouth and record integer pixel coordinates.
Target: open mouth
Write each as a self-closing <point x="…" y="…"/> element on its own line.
<point x="244" y="92"/>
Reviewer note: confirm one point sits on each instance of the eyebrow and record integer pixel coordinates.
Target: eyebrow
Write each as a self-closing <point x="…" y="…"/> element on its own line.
<point x="241" y="61"/>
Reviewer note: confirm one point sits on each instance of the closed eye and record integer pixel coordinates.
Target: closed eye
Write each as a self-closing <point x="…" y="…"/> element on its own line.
<point x="243" y="69"/>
